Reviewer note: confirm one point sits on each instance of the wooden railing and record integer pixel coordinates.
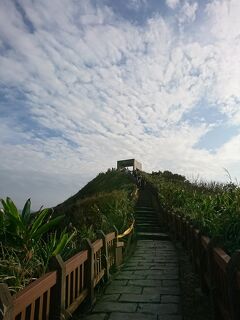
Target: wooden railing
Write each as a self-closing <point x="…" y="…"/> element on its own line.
<point x="111" y="242"/>
<point x="35" y="299"/>
<point x="57" y="294"/>
<point x="219" y="273"/>
<point x="76" y="289"/>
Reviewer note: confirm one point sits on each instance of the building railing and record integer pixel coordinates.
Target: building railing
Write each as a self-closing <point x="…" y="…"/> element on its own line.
<point x="57" y="294"/>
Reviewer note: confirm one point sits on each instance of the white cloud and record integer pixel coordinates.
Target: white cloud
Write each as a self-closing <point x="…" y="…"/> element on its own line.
<point x="172" y="3"/>
<point x="187" y="12"/>
<point x="98" y="88"/>
<point x="223" y="25"/>
<point x="224" y="15"/>
<point x="137" y="4"/>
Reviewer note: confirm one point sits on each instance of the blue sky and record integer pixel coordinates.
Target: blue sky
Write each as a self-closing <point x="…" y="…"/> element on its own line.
<point x="85" y="83"/>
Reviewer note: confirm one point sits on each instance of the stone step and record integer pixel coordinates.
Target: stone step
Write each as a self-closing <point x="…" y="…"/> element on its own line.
<point x="141" y="224"/>
<point x="152" y="236"/>
<point x="144" y="214"/>
<point x="146" y="220"/>
<point x="149" y="228"/>
<point x="144" y="211"/>
<point x="145" y="208"/>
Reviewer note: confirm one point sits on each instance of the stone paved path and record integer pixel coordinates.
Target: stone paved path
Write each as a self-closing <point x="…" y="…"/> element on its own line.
<point x="147" y="288"/>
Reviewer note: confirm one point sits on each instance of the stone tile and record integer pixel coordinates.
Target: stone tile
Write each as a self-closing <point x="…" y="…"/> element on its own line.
<point x="150" y="272"/>
<point x="170" y="283"/>
<point x="123" y="272"/>
<point x="119" y="282"/>
<point x="131" y="264"/>
<point x="115" y="307"/>
<point x="148" y="264"/>
<point x="146" y="288"/>
<point x="161" y="290"/>
<point x="162" y="276"/>
<point x="132" y="276"/>
<point x="137" y="268"/>
<point x="160" y="309"/>
<point x="110" y="297"/>
<point x="123" y="289"/>
<point x="132" y="316"/>
<point x="140" y="298"/>
<point x="170" y="317"/>
<point x="99" y="316"/>
<point x="155" y="267"/>
<point x="170" y="299"/>
<point x="146" y="283"/>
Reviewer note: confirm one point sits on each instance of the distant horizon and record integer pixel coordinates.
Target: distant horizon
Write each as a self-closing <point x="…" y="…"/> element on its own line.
<point x="86" y="83"/>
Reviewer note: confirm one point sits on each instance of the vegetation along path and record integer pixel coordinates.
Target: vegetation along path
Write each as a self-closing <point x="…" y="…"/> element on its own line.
<point x="147" y="286"/>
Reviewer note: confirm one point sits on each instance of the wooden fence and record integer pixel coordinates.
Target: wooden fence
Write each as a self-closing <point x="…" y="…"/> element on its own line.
<point x="57" y="294"/>
<point x="219" y="273"/>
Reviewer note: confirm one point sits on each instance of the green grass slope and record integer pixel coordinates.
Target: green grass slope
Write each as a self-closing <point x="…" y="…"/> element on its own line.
<point x="212" y="207"/>
<point x="105" y="201"/>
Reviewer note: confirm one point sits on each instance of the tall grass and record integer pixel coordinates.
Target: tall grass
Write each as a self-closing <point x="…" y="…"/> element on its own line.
<point x="105" y="201"/>
<point x="212" y="207"/>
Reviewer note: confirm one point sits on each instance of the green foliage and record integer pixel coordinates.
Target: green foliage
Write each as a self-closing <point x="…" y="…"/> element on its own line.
<point x="102" y="211"/>
<point x="24" y="230"/>
<point x="26" y="245"/>
<point x="16" y="271"/>
<point x="104" y="182"/>
<point x="105" y="201"/>
<point x="212" y="207"/>
<point x="29" y="240"/>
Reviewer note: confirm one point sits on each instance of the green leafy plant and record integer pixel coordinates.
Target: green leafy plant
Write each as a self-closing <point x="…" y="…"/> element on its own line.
<point x="27" y="243"/>
<point x="23" y="230"/>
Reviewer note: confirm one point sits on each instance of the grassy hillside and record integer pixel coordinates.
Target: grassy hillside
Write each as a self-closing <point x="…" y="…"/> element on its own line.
<point x="212" y="207"/>
<point x="28" y="241"/>
<point x="105" y="201"/>
<point x="104" y="182"/>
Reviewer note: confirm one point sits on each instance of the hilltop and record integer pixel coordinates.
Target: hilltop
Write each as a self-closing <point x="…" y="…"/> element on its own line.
<point x="105" y="201"/>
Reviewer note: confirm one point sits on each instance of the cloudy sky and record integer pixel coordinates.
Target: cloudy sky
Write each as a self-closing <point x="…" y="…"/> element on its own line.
<point x="85" y="83"/>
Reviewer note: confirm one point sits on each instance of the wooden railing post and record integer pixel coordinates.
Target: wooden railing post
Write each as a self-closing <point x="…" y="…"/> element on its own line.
<point x="173" y="227"/>
<point x="90" y="270"/>
<point x="233" y="268"/>
<point x="118" y="249"/>
<point x="57" y="311"/>
<point x="116" y="245"/>
<point x="102" y="236"/>
<point x="6" y="303"/>
<point x="192" y="240"/>
<point x="188" y="235"/>
<point x="200" y="254"/>
<point x="213" y="294"/>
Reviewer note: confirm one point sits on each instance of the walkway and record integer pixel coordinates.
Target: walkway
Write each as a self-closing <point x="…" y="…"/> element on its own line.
<point x="147" y="288"/>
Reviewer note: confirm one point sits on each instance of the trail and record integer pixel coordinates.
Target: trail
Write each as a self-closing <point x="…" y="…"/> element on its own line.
<point x="147" y="288"/>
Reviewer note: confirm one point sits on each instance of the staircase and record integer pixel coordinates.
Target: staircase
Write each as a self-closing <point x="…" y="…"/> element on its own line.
<point x="147" y="224"/>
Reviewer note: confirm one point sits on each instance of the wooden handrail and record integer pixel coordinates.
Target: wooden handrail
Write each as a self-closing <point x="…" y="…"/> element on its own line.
<point x="76" y="261"/>
<point x="61" y="291"/>
<point x="221" y="258"/>
<point x="97" y="245"/>
<point x="31" y="293"/>
<point x="205" y="241"/>
<point x="110" y="236"/>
